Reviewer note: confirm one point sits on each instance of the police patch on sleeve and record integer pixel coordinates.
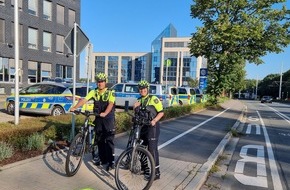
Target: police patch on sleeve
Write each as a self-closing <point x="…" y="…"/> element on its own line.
<point x="156" y="101"/>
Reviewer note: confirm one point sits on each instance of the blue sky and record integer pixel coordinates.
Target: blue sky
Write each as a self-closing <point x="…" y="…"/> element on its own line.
<point x="131" y="26"/>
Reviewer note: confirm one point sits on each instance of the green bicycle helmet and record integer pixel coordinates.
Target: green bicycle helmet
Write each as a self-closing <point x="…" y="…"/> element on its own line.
<point x="143" y="84"/>
<point x="101" y="77"/>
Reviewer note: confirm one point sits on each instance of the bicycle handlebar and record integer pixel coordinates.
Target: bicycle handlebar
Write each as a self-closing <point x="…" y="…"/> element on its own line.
<point x="86" y="113"/>
<point x="139" y="120"/>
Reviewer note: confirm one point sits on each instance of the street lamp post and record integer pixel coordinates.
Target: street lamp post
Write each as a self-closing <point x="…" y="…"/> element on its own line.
<point x="256" y="88"/>
<point x="280" y="85"/>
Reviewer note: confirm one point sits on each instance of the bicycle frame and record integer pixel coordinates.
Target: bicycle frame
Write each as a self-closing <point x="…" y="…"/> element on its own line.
<point x="82" y="143"/>
<point x="136" y="160"/>
<point x="135" y="135"/>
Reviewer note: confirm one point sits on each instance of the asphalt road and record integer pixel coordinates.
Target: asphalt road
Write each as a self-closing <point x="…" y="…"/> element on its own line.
<point x="261" y="158"/>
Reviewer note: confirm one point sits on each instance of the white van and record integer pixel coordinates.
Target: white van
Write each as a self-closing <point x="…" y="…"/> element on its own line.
<point x="130" y="92"/>
<point x="186" y="95"/>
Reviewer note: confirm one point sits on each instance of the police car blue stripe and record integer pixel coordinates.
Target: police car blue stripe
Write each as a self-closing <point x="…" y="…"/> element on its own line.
<point x="39" y="106"/>
<point x="28" y="105"/>
<point x="67" y="107"/>
<point x="122" y="95"/>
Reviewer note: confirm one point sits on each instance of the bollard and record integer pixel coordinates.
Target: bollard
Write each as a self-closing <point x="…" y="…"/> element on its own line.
<point x="126" y="105"/>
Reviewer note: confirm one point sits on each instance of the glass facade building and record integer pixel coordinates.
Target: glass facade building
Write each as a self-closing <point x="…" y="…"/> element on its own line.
<point x="183" y="65"/>
<point x="156" y="46"/>
<point x="123" y="67"/>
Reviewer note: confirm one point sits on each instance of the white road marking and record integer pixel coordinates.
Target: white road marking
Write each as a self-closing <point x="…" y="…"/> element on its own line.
<point x="253" y="118"/>
<point x="188" y="131"/>
<point x="261" y="179"/>
<point x="283" y="116"/>
<point x="272" y="162"/>
<point x="249" y="129"/>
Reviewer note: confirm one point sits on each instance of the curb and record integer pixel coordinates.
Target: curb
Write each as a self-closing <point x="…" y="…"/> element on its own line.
<point x="202" y="174"/>
<point x="21" y="162"/>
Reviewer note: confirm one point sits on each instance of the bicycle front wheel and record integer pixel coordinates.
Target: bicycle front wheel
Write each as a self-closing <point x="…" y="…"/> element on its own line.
<point x="75" y="155"/>
<point x="135" y="169"/>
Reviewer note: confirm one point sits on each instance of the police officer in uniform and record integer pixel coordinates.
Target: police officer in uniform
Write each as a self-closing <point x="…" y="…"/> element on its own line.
<point x="150" y="134"/>
<point x="104" y="104"/>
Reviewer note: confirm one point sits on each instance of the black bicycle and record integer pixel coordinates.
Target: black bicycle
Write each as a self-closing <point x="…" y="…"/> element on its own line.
<point x="84" y="142"/>
<point x="135" y="167"/>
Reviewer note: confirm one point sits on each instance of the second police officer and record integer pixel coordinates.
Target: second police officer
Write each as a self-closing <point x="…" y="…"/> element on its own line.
<point x="150" y="134"/>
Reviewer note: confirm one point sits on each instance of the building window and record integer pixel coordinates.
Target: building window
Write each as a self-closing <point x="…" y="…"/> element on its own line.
<point x="32" y="72"/>
<point x="113" y="69"/>
<point x="71" y="18"/>
<point x="59" y="71"/>
<point x="7" y="70"/>
<point x="47" y="41"/>
<point x="100" y="64"/>
<point x="59" y="44"/>
<point x="2" y="30"/>
<point x="69" y="72"/>
<point x="125" y="68"/>
<point x="12" y="70"/>
<point x="32" y="7"/>
<point x="32" y="38"/>
<point x="47" y="10"/>
<point x="45" y="71"/>
<point x="60" y="14"/>
<point x="20" y="32"/>
<point x="4" y="72"/>
<point x="176" y="44"/>
<point x="19" y="4"/>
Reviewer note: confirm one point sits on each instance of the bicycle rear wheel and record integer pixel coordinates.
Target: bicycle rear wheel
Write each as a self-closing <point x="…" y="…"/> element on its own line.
<point x="75" y="155"/>
<point x="135" y="170"/>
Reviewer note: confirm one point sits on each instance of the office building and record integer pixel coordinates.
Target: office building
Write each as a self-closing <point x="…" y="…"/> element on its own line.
<point x="43" y="25"/>
<point x="122" y="66"/>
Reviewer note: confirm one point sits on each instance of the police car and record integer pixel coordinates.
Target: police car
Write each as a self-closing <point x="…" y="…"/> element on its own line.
<point x="48" y="98"/>
<point x="129" y="92"/>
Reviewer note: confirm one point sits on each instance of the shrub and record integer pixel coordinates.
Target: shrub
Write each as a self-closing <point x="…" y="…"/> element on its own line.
<point x="123" y="122"/>
<point x="6" y="150"/>
<point x="35" y="142"/>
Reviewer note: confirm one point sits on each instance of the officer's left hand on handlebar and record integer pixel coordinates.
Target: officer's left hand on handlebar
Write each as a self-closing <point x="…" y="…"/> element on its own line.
<point x="72" y="109"/>
<point x="103" y="114"/>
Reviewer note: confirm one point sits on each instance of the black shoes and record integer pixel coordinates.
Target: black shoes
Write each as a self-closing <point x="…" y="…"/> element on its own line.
<point x="96" y="161"/>
<point x="147" y="177"/>
<point x="157" y="176"/>
<point x="110" y="167"/>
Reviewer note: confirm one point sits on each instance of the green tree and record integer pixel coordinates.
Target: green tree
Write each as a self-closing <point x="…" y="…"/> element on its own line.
<point x="192" y="82"/>
<point x="235" y="32"/>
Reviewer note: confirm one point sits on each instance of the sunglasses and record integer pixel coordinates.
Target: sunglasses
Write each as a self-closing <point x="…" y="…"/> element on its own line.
<point x="100" y="81"/>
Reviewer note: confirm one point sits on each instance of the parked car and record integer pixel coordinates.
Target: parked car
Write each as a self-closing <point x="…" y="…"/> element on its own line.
<point x="266" y="99"/>
<point x="48" y="98"/>
<point x="173" y="96"/>
<point x="186" y="95"/>
<point x="130" y="92"/>
<point x="199" y="95"/>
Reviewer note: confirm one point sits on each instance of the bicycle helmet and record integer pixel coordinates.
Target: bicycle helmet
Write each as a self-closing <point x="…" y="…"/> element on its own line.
<point x="143" y="84"/>
<point x="101" y="77"/>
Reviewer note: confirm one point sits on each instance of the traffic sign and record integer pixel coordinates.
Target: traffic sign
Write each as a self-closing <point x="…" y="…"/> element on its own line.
<point x="203" y="72"/>
<point x="202" y="83"/>
<point x="82" y="40"/>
